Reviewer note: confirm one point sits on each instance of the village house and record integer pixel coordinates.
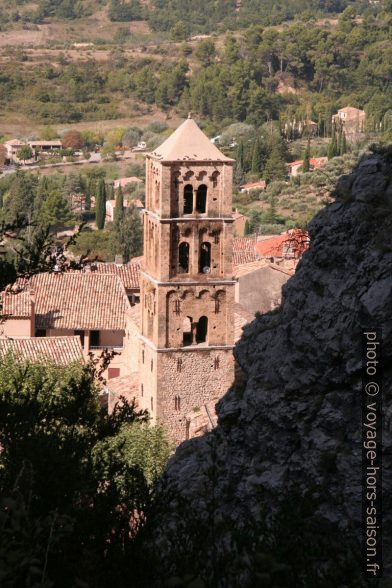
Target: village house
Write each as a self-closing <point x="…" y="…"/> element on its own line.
<point x="125" y="182"/>
<point x="91" y="306"/>
<point x="259" y="185"/>
<point x="259" y="285"/>
<point x="13" y="145"/>
<point x="351" y="119"/>
<point x="314" y="162"/>
<point x="111" y="205"/>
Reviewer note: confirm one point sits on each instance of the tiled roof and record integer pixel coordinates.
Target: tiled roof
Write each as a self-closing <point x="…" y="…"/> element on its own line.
<point x="79" y="301"/>
<point x="16" y="304"/>
<point x="351" y="110"/>
<point x="129" y="273"/>
<point x="259" y="185"/>
<point x="188" y="143"/>
<point x="126" y="386"/>
<point x="275" y="246"/>
<point x="60" y="350"/>
<point x="244" y="250"/>
<point x="126" y="181"/>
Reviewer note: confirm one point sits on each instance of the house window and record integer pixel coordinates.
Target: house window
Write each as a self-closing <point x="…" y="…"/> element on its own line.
<point x="188" y="199"/>
<point x="113" y="373"/>
<point x="201" y="199"/>
<point x="94" y="338"/>
<point x="202" y="330"/>
<point x="205" y="258"/>
<point x="183" y="258"/>
<point x="187" y="335"/>
<point x="81" y="335"/>
<point x="40" y="333"/>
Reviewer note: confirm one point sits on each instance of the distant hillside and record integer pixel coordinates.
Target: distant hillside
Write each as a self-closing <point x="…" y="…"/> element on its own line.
<point x="185" y="16"/>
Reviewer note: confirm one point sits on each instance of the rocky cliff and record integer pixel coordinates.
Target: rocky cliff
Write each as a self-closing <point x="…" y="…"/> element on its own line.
<point x="272" y="497"/>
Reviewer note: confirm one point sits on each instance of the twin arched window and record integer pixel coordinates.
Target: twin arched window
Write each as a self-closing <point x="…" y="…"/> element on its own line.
<point x="201" y="199"/>
<point x="190" y="329"/>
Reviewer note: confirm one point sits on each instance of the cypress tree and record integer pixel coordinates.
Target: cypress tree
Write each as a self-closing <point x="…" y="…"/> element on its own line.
<point x="333" y="146"/>
<point x="240" y="155"/>
<point x="306" y="163"/>
<point x="257" y="158"/>
<point x="100" y="205"/>
<point x="343" y="143"/>
<point x="119" y="208"/>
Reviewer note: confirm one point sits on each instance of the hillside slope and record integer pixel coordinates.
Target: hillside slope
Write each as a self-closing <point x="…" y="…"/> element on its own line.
<point x="273" y="496"/>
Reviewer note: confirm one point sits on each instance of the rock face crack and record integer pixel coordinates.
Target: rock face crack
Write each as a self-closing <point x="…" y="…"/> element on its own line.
<point x="293" y="427"/>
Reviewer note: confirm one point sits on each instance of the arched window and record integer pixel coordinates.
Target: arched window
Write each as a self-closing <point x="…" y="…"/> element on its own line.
<point x="188" y="199"/>
<point x="202" y="330"/>
<point x="183" y="258"/>
<point x="205" y="258"/>
<point x="187" y="335"/>
<point x="201" y="199"/>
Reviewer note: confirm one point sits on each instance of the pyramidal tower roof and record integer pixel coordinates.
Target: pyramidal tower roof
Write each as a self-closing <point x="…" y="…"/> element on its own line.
<point x="188" y="143"/>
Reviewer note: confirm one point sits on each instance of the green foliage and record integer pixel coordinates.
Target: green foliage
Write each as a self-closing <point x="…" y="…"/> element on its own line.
<point x="24" y="153"/>
<point x="275" y="167"/>
<point x="100" y="205"/>
<point x="205" y="52"/>
<point x="127" y="235"/>
<point x="75" y="483"/>
<point x="121" y="10"/>
<point x="94" y="245"/>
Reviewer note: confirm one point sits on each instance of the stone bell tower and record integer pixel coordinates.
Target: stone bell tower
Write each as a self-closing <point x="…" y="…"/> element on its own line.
<point x="187" y="287"/>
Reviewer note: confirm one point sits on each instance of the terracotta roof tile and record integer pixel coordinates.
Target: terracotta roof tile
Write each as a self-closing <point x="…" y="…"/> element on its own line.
<point x="60" y="350"/>
<point x="126" y="386"/>
<point x="16" y="304"/>
<point x="129" y="273"/>
<point x="79" y="301"/>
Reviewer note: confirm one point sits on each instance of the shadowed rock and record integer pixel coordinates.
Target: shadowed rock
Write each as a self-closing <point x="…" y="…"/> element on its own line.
<point x="284" y="464"/>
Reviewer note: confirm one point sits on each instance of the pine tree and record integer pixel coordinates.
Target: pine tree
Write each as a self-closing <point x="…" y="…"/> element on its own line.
<point x="119" y="208"/>
<point x="100" y="205"/>
<point x="306" y="163"/>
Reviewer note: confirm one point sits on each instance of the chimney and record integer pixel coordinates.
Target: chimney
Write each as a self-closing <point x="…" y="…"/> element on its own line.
<point x="32" y="313"/>
<point x="118" y="260"/>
